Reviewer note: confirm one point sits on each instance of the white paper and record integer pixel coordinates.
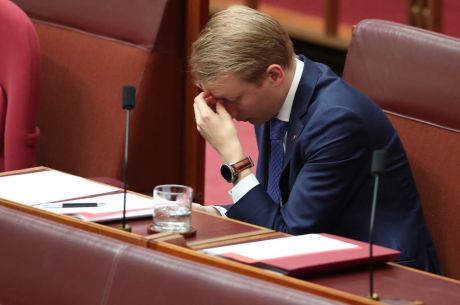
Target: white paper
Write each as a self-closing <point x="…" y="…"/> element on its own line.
<point x="282" y="247"/>
<point x="111" y="207"/>
<point x="47" y="186"/>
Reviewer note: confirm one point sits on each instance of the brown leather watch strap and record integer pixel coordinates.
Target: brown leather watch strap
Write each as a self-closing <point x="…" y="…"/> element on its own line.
<point x="241" y="165"/>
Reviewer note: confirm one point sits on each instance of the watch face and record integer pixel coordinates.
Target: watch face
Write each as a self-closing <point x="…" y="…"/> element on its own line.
<point x="226" y="172"/>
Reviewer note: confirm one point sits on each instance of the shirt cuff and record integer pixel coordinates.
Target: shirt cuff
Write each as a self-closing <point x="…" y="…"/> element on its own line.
<point x="221" y="210"/>
<point x="245" y="185"/>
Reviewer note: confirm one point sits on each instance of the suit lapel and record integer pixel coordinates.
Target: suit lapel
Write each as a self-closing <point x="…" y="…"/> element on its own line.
<point x="302" y="99"/>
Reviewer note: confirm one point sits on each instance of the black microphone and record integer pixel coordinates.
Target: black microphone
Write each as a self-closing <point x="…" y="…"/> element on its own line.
<point x="129" y="96"/>
<point x="377" y="168"/>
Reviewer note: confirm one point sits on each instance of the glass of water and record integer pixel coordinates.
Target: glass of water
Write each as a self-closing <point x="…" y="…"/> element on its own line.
<point x="172" y="208"/>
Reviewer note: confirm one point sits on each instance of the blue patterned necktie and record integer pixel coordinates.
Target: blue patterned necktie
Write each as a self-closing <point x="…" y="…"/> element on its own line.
<point x="277" y="131"/>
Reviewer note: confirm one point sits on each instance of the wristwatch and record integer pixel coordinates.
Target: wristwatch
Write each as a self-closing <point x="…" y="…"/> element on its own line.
<point x="230" y="171"/>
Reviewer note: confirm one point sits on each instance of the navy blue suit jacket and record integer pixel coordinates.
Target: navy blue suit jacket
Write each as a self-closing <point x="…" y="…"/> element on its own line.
<point x="326" y="185"/>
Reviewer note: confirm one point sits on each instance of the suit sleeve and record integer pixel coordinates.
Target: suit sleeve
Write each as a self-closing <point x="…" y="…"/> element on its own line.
<point x="330" y="162"/>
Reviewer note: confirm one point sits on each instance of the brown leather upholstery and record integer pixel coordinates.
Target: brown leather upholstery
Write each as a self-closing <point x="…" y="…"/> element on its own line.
<point x="47" y="263"/>
<point x="414" y="76"/>
<point x="90" y="50"/>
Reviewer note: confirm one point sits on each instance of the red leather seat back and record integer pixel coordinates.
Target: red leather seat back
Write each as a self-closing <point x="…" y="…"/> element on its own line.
<point x="90" y="50"/>
<point x="166" y="280"/>
<point x="19" y="88"/>
<point x="414" y="76"/>
<point x="48" y="263"/>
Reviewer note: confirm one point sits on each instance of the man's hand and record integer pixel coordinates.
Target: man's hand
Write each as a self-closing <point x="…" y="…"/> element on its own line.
<point x="217" y="127"/>
<point x="206" y="209"/>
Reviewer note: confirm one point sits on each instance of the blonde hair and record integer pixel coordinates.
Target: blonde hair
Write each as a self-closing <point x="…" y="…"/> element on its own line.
<point x="240" y="41"/>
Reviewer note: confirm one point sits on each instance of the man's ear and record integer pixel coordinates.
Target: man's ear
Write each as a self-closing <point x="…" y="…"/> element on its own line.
<point x="275" y="74"/>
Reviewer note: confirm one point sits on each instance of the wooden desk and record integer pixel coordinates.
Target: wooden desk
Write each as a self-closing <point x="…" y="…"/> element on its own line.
<point x="349" y="286"/>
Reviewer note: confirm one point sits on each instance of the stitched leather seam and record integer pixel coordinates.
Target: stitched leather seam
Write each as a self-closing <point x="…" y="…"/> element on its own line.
<point x="111" y="276"/>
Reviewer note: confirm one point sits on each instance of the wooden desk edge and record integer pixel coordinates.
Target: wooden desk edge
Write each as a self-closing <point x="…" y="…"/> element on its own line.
<point x="221" y="240"/>
<point x="77" y="223"/>
<point x="24" y="171"/>
<point x="444" y="278"/>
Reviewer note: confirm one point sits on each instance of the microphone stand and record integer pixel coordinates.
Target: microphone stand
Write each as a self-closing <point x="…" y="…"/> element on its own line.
<point x="377" y="168"/>
<point x="129" y="94"/>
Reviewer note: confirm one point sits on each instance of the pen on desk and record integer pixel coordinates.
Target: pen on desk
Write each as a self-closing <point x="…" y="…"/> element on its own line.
<point x="57" y="205"/>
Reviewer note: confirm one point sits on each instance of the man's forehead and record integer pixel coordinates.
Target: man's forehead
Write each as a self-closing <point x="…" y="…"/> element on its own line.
<point x="223" y="86"/>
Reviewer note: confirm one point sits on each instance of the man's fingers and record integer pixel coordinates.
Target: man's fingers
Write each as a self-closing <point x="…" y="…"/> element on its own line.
<point x="220" y="109"/>
<point x="198" y="119"/>
<point x="197" y="112"/>
<point x="202" y="111"/>
<point x="202" y="105"/>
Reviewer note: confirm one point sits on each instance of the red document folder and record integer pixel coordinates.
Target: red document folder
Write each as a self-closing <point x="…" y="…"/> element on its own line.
<point x="341" y="253"/>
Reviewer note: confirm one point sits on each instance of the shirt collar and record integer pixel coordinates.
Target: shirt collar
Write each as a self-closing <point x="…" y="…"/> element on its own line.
<point x="285" y="111"/>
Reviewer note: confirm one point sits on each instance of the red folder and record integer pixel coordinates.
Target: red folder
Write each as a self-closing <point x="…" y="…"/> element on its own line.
<point x="309" y="263"/>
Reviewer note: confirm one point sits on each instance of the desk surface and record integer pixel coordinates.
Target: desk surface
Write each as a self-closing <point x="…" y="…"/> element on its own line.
<point x="394" y="281"/>
<point x="209" y="229"/>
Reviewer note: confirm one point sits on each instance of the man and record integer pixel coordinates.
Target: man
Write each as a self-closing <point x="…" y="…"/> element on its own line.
<point x="314" y="175"/>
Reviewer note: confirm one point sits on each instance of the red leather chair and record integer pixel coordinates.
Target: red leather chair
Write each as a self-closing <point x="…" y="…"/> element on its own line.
<point x="414" y="75"/>
<point x="91" y="49"/>
<point x="19" y="86"/>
